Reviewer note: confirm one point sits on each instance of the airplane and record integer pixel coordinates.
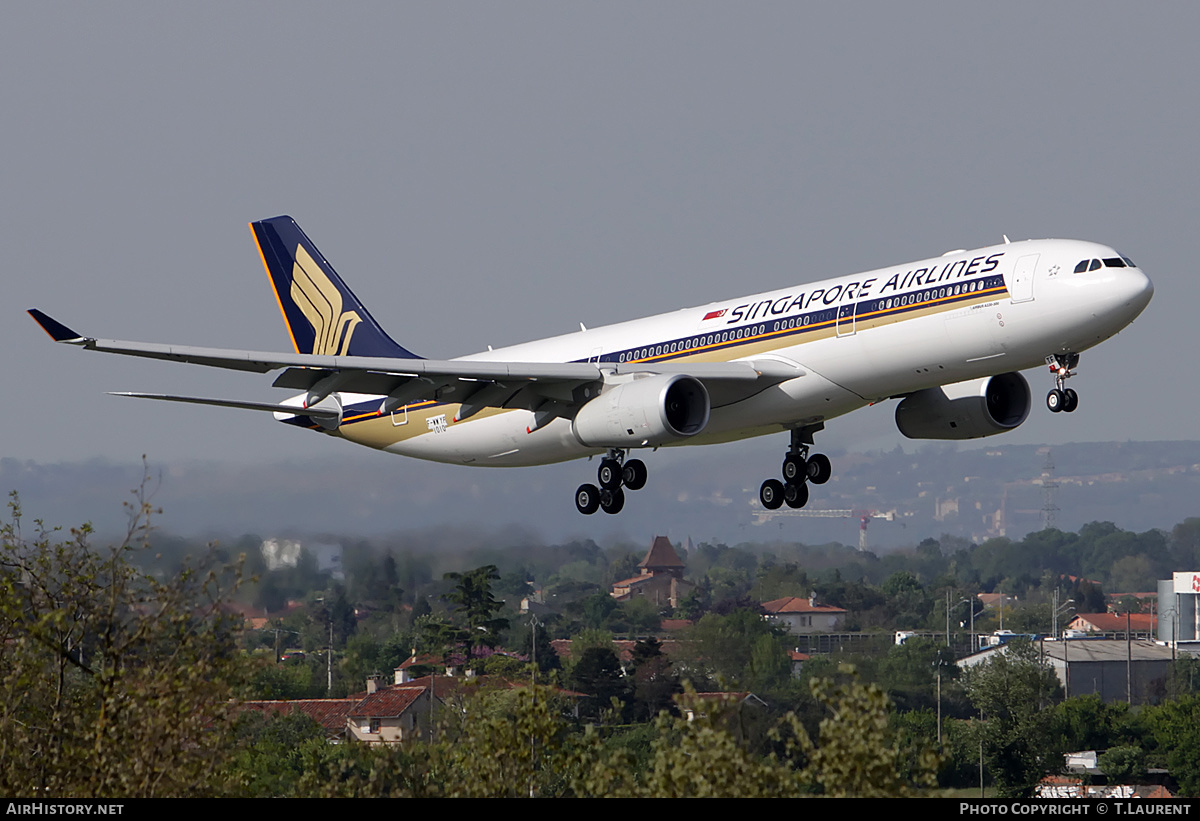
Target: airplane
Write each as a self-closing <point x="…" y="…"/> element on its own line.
<point x="947" y="336"/>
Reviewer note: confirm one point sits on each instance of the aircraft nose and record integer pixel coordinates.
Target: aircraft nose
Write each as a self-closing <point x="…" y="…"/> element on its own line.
<point x="1136" y="288"/>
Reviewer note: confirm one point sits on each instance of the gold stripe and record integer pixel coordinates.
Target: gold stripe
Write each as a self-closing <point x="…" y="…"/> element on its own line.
<point x="271" y="279"/>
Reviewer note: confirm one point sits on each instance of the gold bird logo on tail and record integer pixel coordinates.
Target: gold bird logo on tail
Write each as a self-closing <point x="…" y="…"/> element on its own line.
<point x="321" y="304"/>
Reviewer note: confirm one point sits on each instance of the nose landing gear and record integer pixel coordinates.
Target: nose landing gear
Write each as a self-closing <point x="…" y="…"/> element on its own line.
<point x="798" y="470"/>
<point x="614" y="472"/>
<point x="1062" y="398"/>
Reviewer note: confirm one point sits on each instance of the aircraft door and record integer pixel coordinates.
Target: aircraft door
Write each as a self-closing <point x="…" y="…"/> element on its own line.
<point x="1021" y="284"/>
<point x="847" y="314"/>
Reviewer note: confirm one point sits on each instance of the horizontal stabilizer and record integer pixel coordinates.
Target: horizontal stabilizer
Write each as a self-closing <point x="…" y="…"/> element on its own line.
<point x="315" y="413"/>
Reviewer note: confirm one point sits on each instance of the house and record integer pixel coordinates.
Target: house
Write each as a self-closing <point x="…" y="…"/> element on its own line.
<point x="381" y="714"/>
<point x="390" y="714"/>
<point x="661" y="580"/>
<point x="803" y="616"/>
<point x="1144" y="623"/>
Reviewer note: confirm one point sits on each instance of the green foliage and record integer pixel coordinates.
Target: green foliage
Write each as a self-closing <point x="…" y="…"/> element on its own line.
<point x="112" y="682"/>
<point x="740" y="649"/>
<point x="908" y="673"/>
<point x="1175" y="727"/>
<point x="655" y="682"/>
<point x="598" y="674"/>
<point x="1087" y="723"/>
<point x="270" y="754"/>
<point x="1123" y="765"/>
<point x="504" y="744"/>
<point x="1011" y="691"/>
<point x="856" y="756"/>
<point x="476" y="607"/>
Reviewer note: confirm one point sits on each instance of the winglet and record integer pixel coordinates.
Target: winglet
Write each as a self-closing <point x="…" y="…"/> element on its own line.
<point x="58" y="331"/>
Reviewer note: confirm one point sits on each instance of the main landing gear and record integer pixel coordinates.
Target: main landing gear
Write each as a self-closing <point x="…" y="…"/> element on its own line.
<point x="798" y="470"/>
<point x="614" y="472"/>
<point x="1062" y="365"/>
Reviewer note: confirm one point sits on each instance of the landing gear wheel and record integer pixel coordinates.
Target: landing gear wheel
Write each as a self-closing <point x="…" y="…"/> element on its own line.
<point x="796" y="495"/>
<point x="587" y="499"/>
<point x="1055" y="400"/>
<point x="1071" y="400"/>
<point x="611" y="501"/>
<point x="794" y="467"/>
<point x="609" y="474"/>
<point x="633" y="474"/>
<point x="771" y="494"/>
<point x="819" y="469"/>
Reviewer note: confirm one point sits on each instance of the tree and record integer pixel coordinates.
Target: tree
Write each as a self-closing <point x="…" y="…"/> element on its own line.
<point x="476" y="605"/>
<point x="113" y="683"/>
<point x="1123" y="765"/>
<point x="598" y="673"/>
<point x="741" y="649"/>
<point x="1175" y="726"/>
<point x="655" y="682"/>
<point x="857" y="755"/>
<point x="1011" y="690"/>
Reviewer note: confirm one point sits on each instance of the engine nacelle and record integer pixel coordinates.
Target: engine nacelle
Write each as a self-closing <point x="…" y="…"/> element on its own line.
<point x="966" y="410"/>
<point x="649" y="411"/>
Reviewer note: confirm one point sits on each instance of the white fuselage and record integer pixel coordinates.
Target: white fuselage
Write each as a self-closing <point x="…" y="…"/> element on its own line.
<point x="853" y="340"/>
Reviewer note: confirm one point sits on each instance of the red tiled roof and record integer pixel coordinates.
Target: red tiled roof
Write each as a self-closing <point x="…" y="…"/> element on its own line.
<point x="795" y="604"/>
<point x="388" y="702"/>
<point x="661" y="554"/>
<point x="1115" y="622"/>
<point x="330" y="713"/>
<point x="635" y="579"/>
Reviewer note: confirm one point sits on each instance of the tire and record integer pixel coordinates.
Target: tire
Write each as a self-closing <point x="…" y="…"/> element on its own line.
<point x="1055" y="400"/>
<point x="819" y="469"/>
<point x="796" y="495"/>
<point x="1071" y="400"/>
<point x="609" y="474"/>
<point x="611" y="501"/>
<point x="771" y="494"/>
<point x="633" y="474"/>
<point x="587" y="499"/>
<point x="794" y="468"/>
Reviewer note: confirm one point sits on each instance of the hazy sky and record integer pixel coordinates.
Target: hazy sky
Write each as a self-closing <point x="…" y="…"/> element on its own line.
<point x="488" y="173"/>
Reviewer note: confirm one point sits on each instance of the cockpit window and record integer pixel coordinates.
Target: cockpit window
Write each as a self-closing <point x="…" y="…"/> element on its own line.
<point x="1114" y="262"/>
<point x="1129" y="262"/>
<point x="1095" y="266"/>
<point x="1082" y="266"/>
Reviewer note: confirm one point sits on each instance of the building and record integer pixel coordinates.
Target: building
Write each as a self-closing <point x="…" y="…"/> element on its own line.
<point x="1114" y="669"/>
<point x="1179" y="606"/>
<point x="804" y="616"/>
<point x="661" y="581"/>
<point x="390" y="714"/>
<point x="1140" y="624"/>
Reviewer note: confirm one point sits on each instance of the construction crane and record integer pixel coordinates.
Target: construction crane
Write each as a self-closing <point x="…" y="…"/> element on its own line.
<point x="762" y="516"/>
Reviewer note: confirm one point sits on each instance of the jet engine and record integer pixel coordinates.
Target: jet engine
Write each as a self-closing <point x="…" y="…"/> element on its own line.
<point x="965" y="410"/>
<point x="646" y="411"/>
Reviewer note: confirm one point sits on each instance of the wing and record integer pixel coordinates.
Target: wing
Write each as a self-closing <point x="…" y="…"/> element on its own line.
<point x="559" y="388"/>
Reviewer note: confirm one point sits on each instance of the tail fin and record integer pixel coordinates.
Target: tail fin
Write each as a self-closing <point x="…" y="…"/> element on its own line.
<point x="323" y="316"/>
